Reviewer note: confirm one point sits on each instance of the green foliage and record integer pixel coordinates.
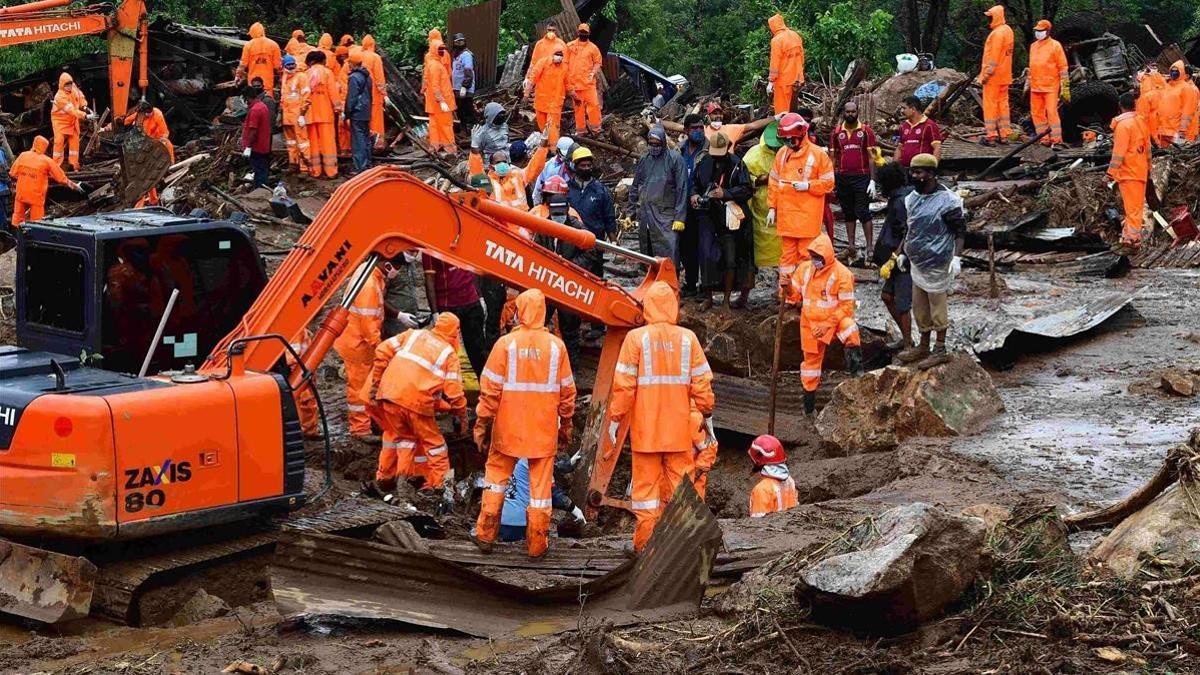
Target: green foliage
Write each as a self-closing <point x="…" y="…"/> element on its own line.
<point x="844" y="33"/>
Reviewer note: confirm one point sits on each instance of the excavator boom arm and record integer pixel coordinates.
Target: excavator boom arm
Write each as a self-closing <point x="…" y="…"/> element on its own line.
<point x="387" y="211"/>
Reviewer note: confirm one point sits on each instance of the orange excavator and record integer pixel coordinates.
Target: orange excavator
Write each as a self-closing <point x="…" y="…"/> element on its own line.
<point x="93" y="456"/>
<point x="125" y="27"/>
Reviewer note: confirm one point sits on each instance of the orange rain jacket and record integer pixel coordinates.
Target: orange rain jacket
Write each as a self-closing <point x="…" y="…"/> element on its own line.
<point x="294" y="96"/>
<point x="787" y="53"/>
<point x="67" y="109"/>
<point x="33" y="170"/>
<point x="423" y="375"/>
<point x="509" y="190"/>
<point x="799" y="214"/>
<point x="549" y="85"/>
<point x="772" y="495"/>
<point x="1177" y="107"/>
<point x="662" y="374"/>
<point x="1150" y="93"/>
<point x="1131" y="149"/>
<point x="997" y="51"/>
<point x="827" y="294"/>
<point x="544" y="49"/>
<point x="363" y="331"/>
<point x="527" y="385"/>
<point x="325" y="44"/>
<point x="436" y="83"/>
<point x="297" y="48"/>
<point x="373" y="62"/>
<point x="1047" y="65"/>
<point x="323" y="103"/>
<point x="261" y="57"/>
<point x="583" y="62"/>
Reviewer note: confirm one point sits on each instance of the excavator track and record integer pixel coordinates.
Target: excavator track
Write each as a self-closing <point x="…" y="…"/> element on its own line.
<point x="120" y="583"/>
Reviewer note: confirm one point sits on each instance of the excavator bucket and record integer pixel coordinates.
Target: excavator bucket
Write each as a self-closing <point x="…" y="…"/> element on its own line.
<point x="44" y="586"/>
<point x="144" y="162"/>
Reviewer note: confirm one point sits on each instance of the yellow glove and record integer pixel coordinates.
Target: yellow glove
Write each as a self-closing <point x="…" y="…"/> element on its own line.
<point x="885" y="271"/>
<point x="677" y="226"/>
<point x="1064" y="90"/>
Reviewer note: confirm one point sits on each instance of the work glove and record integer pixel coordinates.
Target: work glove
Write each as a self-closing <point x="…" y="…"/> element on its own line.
<point x="483" y="432"/>
<point x="534" y="141"/>
<point x="771" y="217"/>
<point x="770" y="87"/>
<point x="902" y="263"/>
<point x="955" y="266"/>
<point x="872" y="191"/>
<point x="613" y="425"/>
<point x="885" y="270"/>
<point x="564" y="433"/>
<point x="800" y="185"/>
<point x="577" y="513"/>
<point x="1178" y="140"/>
<point x="677" y="226"/>
<point x="710" y="434"/>
<point x="407" y="320"/>
<point x="1064" y="90"/>
<point x="444" y="106"/>
<point x="477" y="137"/>
<point x="462" y="92"/>
<point x="300" y="121"/>
<point x="76" y="186"/>
<point x="246" y="152"/>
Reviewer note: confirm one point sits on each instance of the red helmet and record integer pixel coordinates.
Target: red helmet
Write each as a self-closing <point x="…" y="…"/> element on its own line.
<point x="792" y="125"/>
<point x="555" y="185"/>
<point x="766" y="449"/>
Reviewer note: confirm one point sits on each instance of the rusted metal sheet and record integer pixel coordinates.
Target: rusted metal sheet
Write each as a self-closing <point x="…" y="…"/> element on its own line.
<point x="994" y="332"/>
<point x="318" y="575"/>
<point x="1067" y="263"/>
<point x="960" y="152"/>
<point x="44" y="586"/>
<point x="480" y="25"/>
<point x="1168" y="255"/>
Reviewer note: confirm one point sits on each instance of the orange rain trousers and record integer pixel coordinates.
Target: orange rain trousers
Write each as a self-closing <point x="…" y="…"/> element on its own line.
<point x="441" y="132"/>
<point x="810" y="371"/>
<point x="498" y="471"/>
<point x="588" y="111"/>
<point x="1133" y="197"/>
<point x="1043" y="105"/>
<point x="357" y="373"/>
<point x="399" y="459"/>
<point x="995" y="111"/>
<point x="322" y="145"/>
<point x="555" y="121"/>
<point x="655" y="477"/>
<point x="297" y="146"/>
<point x="422" y="431"/>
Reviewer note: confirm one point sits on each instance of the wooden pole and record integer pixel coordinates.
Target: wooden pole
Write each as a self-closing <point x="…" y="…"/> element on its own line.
<point x="1009" y="155"/>
<point x="993" y="289"/>
<point x="775" y="368"/>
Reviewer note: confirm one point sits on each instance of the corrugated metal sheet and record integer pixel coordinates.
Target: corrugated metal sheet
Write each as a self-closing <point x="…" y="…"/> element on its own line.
<point x="480" y="25"/>
<point x="993" y="334"/>
<point x="1184" y="256"/>
<point x="1067" y="263"/>
<point x="322" y="575"/>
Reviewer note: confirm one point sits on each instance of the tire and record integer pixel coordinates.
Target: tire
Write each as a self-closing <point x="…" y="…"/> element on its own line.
<point x="1078" y="28"/>
<point x="1092" y="104"/>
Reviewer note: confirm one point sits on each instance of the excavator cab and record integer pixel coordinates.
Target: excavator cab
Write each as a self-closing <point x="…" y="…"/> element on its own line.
<point x="96" y="287"/>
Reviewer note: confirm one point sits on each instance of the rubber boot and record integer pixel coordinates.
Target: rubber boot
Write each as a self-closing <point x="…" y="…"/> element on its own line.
<point x="854" y="361"/>
<point x="810" y="403"/>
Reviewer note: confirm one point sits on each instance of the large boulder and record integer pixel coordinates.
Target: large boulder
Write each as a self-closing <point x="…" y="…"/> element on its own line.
<point x="923" y="560"/>
<point x="1167" y="528"/>
<point x="877" y="411"/>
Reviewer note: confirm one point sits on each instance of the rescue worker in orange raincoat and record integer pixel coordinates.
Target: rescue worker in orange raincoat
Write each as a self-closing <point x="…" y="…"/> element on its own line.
<point x="293" y="98"/>
<point x="1151" y="85"/>
<point x="583" y="80"/>
<point x="800" y="178"/>
<point x="341" y="74"/>
<point x="996" y="75"/>
<point x="325" y="44"/>
<point x="68" y="109"/>
<point x="787" y="64"/>
<point x="1048" y="81"/>
<point x="306" y="402"/>
<point x="547" y="81"/>
<point x="346" y="41"/>
<point x="373" y="62"/>
<point x="545" y="48"/>
<point x="1130" y="167"/>
<point x="1177" y="110"/>
<point x="261" y="57"/>
<point x="508" y="182"/>
<point x="421" y="380"/>
<point x="439" y="100"/>
<point x="662" y="375"/>
<point x="32" y="172"/>
<point x="705" y="456"/>
<point x="775" y="491"/>
<point x="526" y="408"/>
<point x="825" y="287"/>
<point x="154" y="125"/>
<point x="435" y="34"/>
<point x="397" y="458"/>
<point x="356" y="345"/>
<point x="297" y="47"/>
<point x="320" y="116"/>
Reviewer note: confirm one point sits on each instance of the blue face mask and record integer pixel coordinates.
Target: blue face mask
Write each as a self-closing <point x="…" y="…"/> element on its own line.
<point x="502" y="169"/>
<point x="696" y="135"/>
<point x="656" y="150"/>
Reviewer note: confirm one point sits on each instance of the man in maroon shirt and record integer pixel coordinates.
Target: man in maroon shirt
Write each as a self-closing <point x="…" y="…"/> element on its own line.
<point x="854" y="176"/>
<point x="918" y="134"/>
<point x="453" y="289"/>
<point x="256" y="134"/>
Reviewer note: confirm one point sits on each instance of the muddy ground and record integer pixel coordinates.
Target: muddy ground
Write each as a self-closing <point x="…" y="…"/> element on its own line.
<point x="1084" y="426"/>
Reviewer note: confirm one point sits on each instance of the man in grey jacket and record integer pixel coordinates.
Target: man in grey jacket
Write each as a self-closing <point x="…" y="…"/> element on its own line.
<point x="659" y="193"/>
<point x="492" y="135"/>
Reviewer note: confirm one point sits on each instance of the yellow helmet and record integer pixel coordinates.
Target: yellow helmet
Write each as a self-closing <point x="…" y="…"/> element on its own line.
<point x="581" y="153"/>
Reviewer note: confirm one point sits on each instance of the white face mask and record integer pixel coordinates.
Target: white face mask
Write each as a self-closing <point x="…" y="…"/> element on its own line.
<point x="1040" y="34"/>
<point x="716" y="124"/>
<point x="558" y="58"/>
<point x="818" y="262"/>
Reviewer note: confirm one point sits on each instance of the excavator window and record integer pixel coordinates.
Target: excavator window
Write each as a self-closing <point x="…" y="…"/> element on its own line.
<point x="218" y="276"/>
<point x="54" y="288"/>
